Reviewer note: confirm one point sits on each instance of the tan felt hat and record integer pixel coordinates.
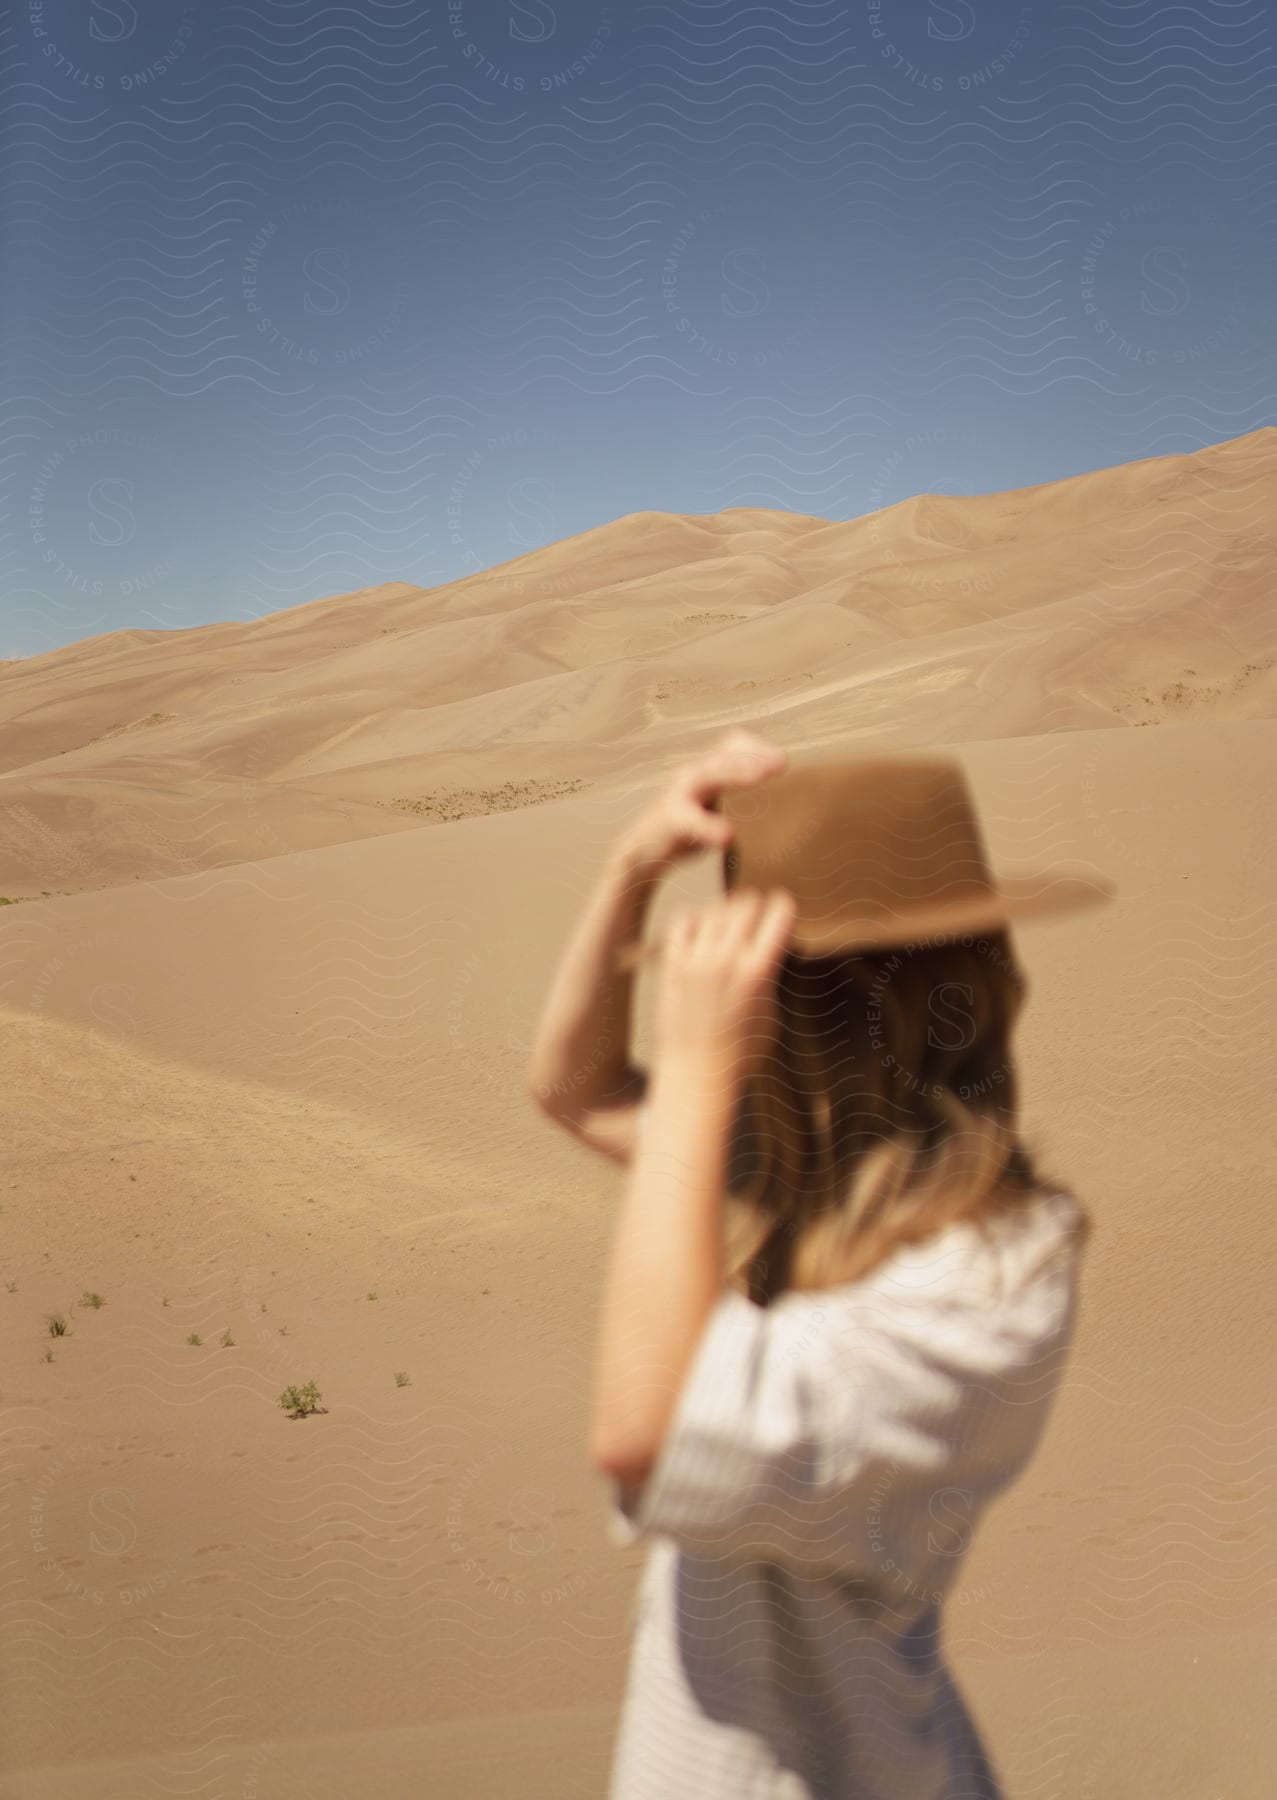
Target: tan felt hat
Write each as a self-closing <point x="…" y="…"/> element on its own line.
<point x="881" y="852"/>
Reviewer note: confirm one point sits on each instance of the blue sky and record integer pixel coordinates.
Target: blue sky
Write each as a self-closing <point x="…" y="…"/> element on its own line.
<point x="300" y="298"/>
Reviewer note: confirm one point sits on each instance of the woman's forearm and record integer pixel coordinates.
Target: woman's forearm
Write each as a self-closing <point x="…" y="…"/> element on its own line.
<point x="666" y="1272"/>
<point x="580" y="1056"/>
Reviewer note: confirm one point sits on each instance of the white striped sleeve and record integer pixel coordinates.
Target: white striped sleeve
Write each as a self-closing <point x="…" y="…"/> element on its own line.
<point x="791" y="1416"/>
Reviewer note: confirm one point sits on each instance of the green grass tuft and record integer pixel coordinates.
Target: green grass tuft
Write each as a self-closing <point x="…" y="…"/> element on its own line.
<point x="299" y="1401"/>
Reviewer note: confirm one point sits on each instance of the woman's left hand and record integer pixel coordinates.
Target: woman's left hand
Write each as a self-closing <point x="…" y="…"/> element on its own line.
<point x="715" y="1009"/>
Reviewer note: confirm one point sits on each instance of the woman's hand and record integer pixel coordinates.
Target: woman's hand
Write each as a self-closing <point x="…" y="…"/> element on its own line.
<point x="716" y="1008"/>
<point x="680" y="820"/>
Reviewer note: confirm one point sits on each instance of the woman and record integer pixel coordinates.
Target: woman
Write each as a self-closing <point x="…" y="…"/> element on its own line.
<point x="840" y="1296"/>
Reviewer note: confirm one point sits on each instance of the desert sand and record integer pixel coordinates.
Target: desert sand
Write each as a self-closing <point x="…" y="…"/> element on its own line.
<point x="286" y="899"/>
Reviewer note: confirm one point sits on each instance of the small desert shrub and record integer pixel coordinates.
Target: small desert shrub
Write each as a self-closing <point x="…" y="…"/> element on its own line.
<point x="402" y="1378"/>
<point x="298" y="1401"/>
<point x="58" y="1326"/>
<point x="226" y="1340"/>
<point x="93" y="1300"/>
<point x="195" y="1338"/>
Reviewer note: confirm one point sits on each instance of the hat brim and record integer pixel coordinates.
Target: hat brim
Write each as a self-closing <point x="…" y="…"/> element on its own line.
<point x="1016" y="897"/>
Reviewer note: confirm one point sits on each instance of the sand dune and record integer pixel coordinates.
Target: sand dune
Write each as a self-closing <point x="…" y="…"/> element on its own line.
<point x="1130" y="596"/>
<point x="264" y="1060"/>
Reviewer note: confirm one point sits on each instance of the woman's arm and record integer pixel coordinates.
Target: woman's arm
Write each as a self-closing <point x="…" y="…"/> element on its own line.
<point x="715" y="1015"/>
<point x="580" y="1073"/>
<point x="665" y="1272"/>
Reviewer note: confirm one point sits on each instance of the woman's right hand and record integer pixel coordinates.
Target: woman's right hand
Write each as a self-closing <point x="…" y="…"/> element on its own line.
<point x="681" y="821"/>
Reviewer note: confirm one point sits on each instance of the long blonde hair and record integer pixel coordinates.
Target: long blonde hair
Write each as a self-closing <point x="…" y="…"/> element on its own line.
<point x="884" y="1107"/>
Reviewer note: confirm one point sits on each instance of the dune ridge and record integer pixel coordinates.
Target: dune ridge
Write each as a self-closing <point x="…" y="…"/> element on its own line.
<point x="1137" y="595"/>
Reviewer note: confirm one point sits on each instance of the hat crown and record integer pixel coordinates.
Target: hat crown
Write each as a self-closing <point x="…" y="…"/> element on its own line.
<point x="860" y="843"/>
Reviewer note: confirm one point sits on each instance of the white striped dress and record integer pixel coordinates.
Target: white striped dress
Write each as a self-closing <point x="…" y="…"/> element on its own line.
<point x="813" y="1502"/>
